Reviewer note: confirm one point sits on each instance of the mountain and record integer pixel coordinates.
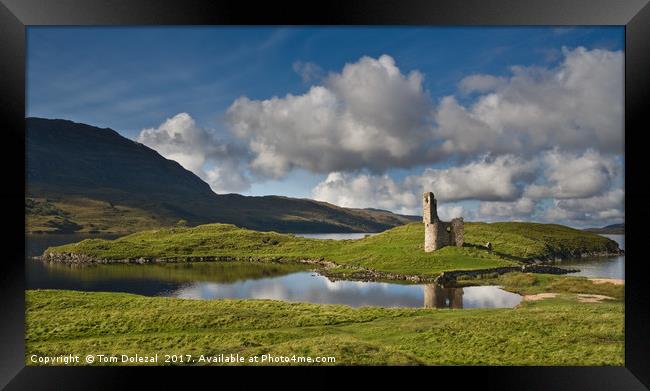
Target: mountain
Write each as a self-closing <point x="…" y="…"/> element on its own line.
<point x="610" y="229"/>
<point x="81" y="178"/>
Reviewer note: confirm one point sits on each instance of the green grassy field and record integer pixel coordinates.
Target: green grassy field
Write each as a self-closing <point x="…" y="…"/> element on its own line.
<point x="86" y="215"/>
<point x="534" y="240"/>
<point x="559" y="331"/>
<point x="398" y="250"/>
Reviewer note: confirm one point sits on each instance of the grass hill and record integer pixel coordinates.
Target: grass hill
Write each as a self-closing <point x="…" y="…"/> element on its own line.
<point x="82" y="178"/>
<point x="398" y="250"/>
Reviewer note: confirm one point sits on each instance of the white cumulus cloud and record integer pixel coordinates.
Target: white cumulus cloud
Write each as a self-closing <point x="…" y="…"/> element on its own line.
<point x="576" y="105"/>
<point x="448" y="212"/>
<point x="523" y="207"/>
<point x="543" y="143"/>
<point x="365" y="191"/>
<point x="480" y="83"/>
<point x="219" y="163"/>
<point x="607" y="206"/>
<point x="571" y="175"/>
<point x="485" y="179"/>
<point x="370" y="115"/>
<point x="374" y="116"/>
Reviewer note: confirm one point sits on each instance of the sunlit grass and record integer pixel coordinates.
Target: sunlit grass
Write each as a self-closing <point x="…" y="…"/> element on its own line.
<point x="558" y="331"/>
<point x="398" y="250"/>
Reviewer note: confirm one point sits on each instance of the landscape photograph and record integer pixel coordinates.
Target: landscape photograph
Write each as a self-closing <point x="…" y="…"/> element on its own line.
<point x="288" y="196"/>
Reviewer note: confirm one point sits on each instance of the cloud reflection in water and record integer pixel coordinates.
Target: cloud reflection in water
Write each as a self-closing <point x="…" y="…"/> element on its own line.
<point x="314" y="288"/>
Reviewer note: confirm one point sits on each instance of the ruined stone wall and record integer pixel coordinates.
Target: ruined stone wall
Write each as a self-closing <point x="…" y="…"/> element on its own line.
<point x="437" y="233"/>
<point x="443" y="237"/>
<point x="458" y="231"/>
<point x="443" y="233"/>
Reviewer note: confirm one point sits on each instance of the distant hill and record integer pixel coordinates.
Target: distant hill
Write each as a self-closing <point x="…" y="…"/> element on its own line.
<point x="610" y="229"/>
<point x="81" y="178"/>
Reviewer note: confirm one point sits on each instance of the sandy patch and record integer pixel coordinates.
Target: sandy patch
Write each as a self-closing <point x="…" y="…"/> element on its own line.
<point x="615" y="281"/>
<point x="584" y="298"/>
<point x="539" y="296"/>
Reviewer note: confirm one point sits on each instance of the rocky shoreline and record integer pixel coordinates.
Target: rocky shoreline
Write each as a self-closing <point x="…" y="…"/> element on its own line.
<point x="368" y="275"/>
<point x="326" y="268"/>
<point x="558" y="257"/>
<point x="77" y="259"/>
<point x="450" y="277"/>
<point x="73" y="258"/>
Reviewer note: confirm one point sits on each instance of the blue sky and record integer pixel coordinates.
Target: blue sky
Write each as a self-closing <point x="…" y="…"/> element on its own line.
<point x="135" y="78"/>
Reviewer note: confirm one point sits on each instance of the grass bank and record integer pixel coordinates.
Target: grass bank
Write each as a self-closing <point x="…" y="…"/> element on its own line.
<point x="559" y="331"/>
<point x="398" y="250"/>
<point x="532" y="284"/>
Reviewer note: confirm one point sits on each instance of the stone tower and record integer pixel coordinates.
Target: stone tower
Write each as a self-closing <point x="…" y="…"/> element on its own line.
<point x="429" y="217"/>
<point x="437" y="233"/>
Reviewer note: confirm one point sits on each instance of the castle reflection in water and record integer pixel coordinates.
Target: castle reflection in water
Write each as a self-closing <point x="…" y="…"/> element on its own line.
<point x="435" y="296"/>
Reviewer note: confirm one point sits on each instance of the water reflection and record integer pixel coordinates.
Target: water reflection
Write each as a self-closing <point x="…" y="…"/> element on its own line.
<point x="150" y="280"/>
<point x="216" y="280"/>
<point x="435" y="296"/>
<point x="314" y="288"/>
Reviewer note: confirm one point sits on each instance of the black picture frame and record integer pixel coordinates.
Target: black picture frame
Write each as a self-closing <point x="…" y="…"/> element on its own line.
<point x="15" y="15"/>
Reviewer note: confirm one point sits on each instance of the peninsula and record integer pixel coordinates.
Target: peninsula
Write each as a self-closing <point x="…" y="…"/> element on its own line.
<point x="397" y="253"/>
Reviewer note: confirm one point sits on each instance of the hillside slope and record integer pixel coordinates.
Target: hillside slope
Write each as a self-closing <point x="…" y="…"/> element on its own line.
<point x="616" y="229"/>
<point x="86" y="179"/>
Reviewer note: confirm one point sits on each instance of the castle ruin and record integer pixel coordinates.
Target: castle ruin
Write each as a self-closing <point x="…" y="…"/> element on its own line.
<point x="437" y="233"/>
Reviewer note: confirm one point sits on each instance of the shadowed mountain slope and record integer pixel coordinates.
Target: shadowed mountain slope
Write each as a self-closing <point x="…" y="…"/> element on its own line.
<point x="81" y="178"/>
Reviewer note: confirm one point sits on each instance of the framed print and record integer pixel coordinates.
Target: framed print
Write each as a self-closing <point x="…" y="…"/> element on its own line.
<point x="452" y="186"/>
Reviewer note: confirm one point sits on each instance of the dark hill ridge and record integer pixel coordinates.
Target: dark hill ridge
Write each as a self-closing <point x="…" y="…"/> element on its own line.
<point x="609" y="229"/>
<point x="84" y="178"/>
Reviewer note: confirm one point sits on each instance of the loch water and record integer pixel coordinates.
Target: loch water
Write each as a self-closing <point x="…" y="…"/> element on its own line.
<point x="599" y="267"/>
